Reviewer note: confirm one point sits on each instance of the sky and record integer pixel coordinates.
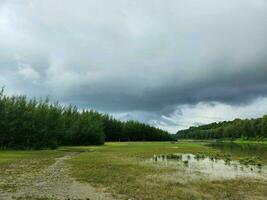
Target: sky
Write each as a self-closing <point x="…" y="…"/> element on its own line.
<point x="172" y="64"/>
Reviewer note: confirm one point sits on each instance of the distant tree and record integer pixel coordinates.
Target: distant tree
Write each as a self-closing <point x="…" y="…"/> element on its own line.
<point x="264" y="127"/>
<point x="253" y="128"/>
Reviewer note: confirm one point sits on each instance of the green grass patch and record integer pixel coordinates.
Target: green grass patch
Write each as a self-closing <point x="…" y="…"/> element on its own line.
<point x="248" y="141"/>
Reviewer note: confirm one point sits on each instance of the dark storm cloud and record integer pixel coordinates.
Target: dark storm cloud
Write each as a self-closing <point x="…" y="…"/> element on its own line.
<point x="135" y="57"/>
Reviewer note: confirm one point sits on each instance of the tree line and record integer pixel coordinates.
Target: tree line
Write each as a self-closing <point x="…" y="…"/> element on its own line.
<point x="39" y="124"/>
<point x="245" y="129"/>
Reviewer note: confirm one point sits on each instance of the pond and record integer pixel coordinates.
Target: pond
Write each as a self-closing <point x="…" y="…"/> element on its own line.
<point x="242" y="150"/>
<point x="190" y="167"/>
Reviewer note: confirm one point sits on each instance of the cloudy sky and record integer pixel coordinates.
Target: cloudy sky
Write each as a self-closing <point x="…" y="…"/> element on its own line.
<point x="172" y="63"/>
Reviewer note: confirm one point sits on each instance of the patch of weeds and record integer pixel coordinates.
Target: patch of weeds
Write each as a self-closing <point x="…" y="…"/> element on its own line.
<point x="226" y="157"/>
<point x="174" y="156"/>
<point x="251" y="161"/>
<point x="199" y="156"/>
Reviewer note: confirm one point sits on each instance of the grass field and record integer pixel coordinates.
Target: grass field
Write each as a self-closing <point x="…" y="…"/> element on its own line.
<point x="120" y="167"/>
<point x="126" y="171"/>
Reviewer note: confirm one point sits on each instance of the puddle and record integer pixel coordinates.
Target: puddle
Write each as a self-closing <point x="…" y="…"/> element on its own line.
<point x="192" y="167"/>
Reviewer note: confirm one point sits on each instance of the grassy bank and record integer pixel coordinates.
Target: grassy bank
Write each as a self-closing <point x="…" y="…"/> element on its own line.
<point x="242" y="141"/>
<point x="122" y="168"/>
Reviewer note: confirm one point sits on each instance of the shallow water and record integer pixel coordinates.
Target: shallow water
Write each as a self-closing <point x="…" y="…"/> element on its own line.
<point x="190" y="167"/>
<point x="242" y="150"/>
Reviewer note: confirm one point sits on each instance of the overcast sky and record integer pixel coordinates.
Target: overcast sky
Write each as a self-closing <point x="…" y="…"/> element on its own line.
<point x="172" y="63"/>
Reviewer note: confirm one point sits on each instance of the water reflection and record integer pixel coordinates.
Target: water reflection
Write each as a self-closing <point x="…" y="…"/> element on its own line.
<point x="196" y="166"/>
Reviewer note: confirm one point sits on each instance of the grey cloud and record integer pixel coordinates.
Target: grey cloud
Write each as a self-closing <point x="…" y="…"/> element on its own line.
<point x="135" y="56"/>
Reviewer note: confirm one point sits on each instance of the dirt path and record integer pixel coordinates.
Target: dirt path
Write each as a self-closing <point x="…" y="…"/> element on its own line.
<point x="55" y="183"/>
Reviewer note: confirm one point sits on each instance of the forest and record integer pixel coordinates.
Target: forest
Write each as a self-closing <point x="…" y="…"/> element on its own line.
<point x="243" y="129"/>
<point x="40" y="124"/>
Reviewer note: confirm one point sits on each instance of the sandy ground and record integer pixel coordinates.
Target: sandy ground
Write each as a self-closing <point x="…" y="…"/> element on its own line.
<point x="55" y="183"/>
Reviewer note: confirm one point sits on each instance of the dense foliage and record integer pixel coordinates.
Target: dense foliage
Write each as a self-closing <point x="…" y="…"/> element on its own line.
<point x="245" y="129"/>
<point x="116" y="130"/>
<point x="32" y="124"/>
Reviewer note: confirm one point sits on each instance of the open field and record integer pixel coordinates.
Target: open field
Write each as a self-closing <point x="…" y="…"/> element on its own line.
<point x="134" y="170"/>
